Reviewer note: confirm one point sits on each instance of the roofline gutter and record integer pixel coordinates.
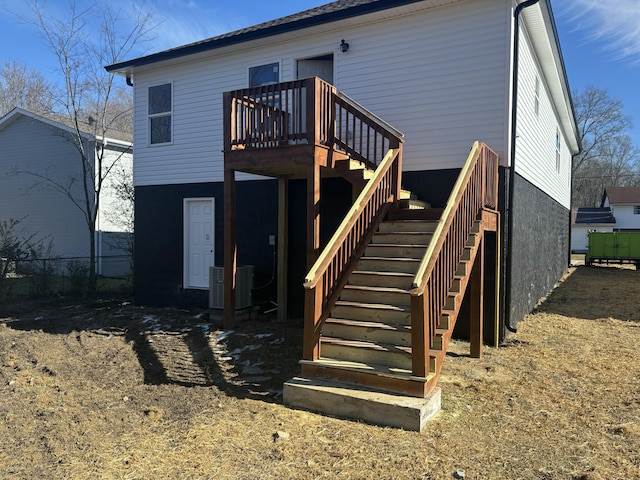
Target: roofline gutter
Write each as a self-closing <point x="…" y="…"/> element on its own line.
<point x="512" y="169"/>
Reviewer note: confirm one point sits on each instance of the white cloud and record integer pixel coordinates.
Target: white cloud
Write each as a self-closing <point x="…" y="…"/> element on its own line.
<point x="187" y="21"/>
<point x="616" y="25"/>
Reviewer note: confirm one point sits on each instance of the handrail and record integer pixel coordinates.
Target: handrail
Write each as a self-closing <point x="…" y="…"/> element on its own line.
<point x="475" y="189"/>
<point x="329" y="271"/>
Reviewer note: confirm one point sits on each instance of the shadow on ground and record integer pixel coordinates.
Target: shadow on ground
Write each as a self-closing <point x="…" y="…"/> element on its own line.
<point x="176" y="346"/>
<point x="587" y="293"/>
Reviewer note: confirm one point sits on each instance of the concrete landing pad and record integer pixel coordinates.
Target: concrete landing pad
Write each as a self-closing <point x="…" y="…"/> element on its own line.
<point x="345" y="400"/>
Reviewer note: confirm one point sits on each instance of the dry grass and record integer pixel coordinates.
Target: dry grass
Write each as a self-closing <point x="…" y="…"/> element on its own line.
<point x="111" y="391"/>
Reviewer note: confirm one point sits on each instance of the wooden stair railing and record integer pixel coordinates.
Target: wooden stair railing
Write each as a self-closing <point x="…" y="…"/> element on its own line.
<point x="330" y="273"/>
<point x="476" y="189"/>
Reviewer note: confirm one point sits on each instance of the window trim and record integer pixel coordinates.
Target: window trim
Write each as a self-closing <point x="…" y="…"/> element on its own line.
<point x="151" y="116"/>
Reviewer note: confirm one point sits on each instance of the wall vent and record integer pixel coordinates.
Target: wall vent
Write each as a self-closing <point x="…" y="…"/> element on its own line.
<point x="244" y="286"/>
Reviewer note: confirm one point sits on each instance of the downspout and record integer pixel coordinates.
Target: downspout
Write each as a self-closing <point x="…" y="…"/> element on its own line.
<point x="512" y="170"/>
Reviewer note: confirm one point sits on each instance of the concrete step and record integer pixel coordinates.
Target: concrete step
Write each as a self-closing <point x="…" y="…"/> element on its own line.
<point x="346" y="400"/>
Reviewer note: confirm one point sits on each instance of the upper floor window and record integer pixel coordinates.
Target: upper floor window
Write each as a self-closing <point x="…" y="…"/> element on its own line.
<point x="160" y="109"/>
<point x="264" y="74"/>
<point x="636" y="209"/>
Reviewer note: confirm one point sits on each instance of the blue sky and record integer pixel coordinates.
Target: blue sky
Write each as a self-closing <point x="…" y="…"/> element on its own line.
<point x="600" y="41"/>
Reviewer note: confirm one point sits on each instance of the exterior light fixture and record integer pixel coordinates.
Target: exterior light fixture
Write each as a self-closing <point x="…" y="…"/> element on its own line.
<point x="344" y="46"/>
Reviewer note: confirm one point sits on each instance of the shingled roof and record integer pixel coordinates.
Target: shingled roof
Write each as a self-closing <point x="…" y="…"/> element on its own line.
<point x="331" y="12"/>
<point x="617" y="195"/>
<point x="586" y="215"/>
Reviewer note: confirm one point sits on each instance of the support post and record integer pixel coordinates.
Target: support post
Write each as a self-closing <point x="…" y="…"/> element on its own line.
<point x="313" y="214"/>
<point x="477" y="300"/>
<point x="283" y="246"/>
<point x="420" y="335"/>
<point x="230" y="249"/>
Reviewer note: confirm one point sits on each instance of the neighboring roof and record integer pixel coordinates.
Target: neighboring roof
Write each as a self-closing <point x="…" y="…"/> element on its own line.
<point x="594" y="215"/>
<point x="331" y="12"/>
<point x="64" y="123"/>
<point x="617" y="195"/>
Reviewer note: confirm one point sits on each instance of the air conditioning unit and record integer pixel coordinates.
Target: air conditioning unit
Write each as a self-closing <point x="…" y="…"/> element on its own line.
<point x="244" y="286"/>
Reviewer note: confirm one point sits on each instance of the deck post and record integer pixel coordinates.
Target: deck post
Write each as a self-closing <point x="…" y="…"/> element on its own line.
<point x="313" y="214"/>
<point x="477" y="300"/>
<point x="420" y="335"/>
<point x="282" y="242"/>
<point x="230" y="248"/>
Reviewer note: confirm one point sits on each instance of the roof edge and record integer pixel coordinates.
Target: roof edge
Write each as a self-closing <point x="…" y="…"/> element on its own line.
<point x="249" y="33"/>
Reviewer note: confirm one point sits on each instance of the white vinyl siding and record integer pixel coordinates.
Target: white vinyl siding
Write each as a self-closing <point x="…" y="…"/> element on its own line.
<point x="439" y="75"/>
<point x="626" y="217"/>
<point x="542" y="157"/>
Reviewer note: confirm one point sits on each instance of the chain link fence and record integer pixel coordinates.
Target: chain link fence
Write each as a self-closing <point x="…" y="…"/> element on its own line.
<point x="62" y="275"/>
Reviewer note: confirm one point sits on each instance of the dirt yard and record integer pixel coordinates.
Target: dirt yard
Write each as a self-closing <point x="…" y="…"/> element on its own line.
<point x="108" y="390"/>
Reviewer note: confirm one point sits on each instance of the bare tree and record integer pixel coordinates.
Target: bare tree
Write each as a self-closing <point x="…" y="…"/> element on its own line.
<point x="24" y="88"/>
<point x="90" y="99"/>
<point x="608" y="157"/>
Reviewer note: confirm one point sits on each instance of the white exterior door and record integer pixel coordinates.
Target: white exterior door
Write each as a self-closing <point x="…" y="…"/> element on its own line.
<point x="198" y="241"/>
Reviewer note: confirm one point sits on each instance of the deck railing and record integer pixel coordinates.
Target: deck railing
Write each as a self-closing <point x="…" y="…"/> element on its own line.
<point x="475" y="189"/>
<point x="308" y="111"/>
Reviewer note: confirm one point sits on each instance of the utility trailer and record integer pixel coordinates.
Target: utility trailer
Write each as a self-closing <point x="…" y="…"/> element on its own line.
<point x="613" y="247"/>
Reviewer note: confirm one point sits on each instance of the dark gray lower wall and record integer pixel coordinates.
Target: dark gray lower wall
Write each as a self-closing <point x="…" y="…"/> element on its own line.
<point x="540" y="241"/>
<point x="540" y="247"/>
<point x="158" y="272"/>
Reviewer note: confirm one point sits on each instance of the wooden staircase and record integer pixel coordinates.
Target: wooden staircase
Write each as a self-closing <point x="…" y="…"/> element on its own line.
<point x="383" y="296"/>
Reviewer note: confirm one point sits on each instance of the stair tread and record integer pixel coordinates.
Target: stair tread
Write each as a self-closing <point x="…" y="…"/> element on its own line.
<point x="369" y="324"/>
<point x="373" y="368"/>
<point x="382" y="347"/>
<point x="378" y="306"/>
<point x="383" y="274"/>
<point x="375" y="289"/>
<point x="402" y="245"/>
<point x="403" y="259"/>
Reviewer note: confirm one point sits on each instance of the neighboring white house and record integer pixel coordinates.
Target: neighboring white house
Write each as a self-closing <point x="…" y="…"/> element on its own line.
<point x="443" y="72"/>
<point x="624" y="203"/>
<point x="36" y="150"/>
<point x="585" y="220"/>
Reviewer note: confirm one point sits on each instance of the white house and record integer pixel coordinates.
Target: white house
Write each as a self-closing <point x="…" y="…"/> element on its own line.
<point x="36" y="150"/>
<point x="624" y="203"/>
<point x="587" y="219"/>
<point x="445" y="73"/>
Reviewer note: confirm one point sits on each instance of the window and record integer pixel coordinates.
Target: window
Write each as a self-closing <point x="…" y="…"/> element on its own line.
<point x="636" y="209"/>
<point x="537" y="96"/>
<point x="264" y="74"/>
<point x="557" y="150"/>
<point x="160" y="114"/>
